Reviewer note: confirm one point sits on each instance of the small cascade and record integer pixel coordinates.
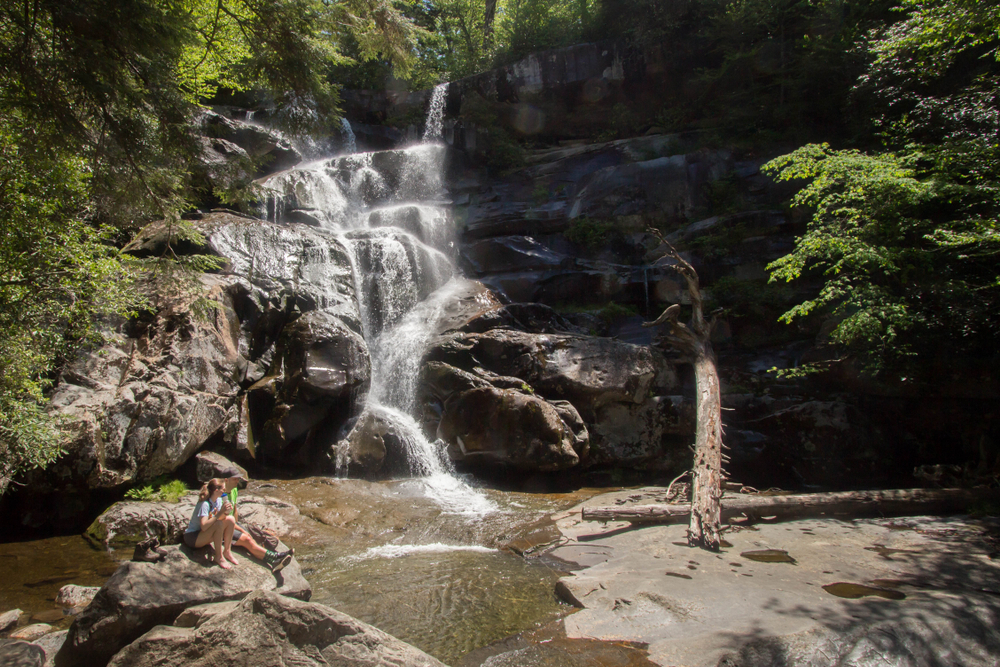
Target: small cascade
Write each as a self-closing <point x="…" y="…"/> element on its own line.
<point x="435" y="113"/>
<point x="350" y="141"/>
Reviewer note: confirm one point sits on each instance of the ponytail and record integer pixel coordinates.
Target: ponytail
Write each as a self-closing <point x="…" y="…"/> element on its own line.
<point x="209" y="488"/>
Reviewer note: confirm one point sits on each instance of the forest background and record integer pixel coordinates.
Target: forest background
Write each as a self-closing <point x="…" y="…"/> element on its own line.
<point x="893" y="105"/>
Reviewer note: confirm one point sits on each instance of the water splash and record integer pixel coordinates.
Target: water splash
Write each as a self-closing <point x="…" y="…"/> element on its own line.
<point x="350" y="142"/>
<point x="435" y="113"/>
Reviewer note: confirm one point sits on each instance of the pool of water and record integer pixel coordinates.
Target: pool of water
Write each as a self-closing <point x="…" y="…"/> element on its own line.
<point x="34" y="571"/>
<point x="436" y="568"/>
<point x="440" y="576"/>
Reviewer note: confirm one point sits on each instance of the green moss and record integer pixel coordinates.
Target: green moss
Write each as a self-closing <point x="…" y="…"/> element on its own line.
<point x="588" y="233"/>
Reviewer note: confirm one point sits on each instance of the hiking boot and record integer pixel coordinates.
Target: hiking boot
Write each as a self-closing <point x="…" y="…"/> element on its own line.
<point x="278" y="560"/>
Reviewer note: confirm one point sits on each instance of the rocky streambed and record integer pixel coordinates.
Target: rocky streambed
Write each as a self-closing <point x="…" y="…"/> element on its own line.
<point x="529" y="583"/>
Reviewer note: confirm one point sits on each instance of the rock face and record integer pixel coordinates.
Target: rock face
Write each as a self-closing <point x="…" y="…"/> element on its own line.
<point x="321" y="365"/>
<point x="139" y="596"/>
<point x="268" y="629"/>
<point x="127" y="522"/>
<point x="548" y="401"/>
<point x="167" y="384"/>
<point x="511" y="427"/>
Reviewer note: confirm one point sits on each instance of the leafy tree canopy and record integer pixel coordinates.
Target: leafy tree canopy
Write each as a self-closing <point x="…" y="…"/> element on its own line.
<point x="906" y="240"/>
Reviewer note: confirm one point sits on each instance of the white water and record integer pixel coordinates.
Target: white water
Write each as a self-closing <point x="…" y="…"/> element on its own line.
<point x="401" y="550"/>
<point x="350" y="141"/>
<point x="382" y="208"/>
<point x="435" y="114"/>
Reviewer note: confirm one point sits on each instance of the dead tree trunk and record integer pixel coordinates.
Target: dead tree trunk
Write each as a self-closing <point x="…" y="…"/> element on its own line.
<point x="694" y="342"/>
<point x="839" y="505"/>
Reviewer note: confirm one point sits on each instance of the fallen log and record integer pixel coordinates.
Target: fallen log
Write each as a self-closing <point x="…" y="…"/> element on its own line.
<point x="847" y="504"/>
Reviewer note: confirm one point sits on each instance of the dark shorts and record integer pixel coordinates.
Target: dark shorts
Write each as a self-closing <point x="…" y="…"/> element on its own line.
<point x="190" y="539"/>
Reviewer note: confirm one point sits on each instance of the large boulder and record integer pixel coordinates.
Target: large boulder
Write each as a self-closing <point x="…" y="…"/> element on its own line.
<point x="625" y="399"/>
<point x="127" y="522"/>
<point x="511" y="427"/>
<point x="267" y="629"/>
<point x="320" y="367"/>
<point x="585" y="370"/>
<point x="139" y="596"/>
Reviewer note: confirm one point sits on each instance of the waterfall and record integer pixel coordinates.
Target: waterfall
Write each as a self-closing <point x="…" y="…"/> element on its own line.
<point x="384" y="208"/>
<point x="350" y="141"/>
<point x="435" y="113"/>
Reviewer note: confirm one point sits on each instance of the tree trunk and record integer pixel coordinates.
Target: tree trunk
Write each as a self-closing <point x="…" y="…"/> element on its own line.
<point x="694" y="342"/>
<point x="849" y="504"/>
<point x="489" y="14"/>
<point x="705" y="491"/>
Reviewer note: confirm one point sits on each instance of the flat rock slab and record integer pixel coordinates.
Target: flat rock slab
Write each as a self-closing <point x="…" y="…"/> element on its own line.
<point x="931" y="595"/>
<point x="139" y="596"/>
<point x="267" y="629"/>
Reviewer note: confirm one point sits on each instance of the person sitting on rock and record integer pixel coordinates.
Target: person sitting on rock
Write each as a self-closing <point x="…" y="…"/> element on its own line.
<point x="208" y="522"/>
<point x="231" y="478"/>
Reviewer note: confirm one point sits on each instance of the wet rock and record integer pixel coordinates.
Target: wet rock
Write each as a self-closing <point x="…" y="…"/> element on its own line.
<point x="140" y="596"/>
<point x="364" y="447"/>
<point x="164" y="385"/>
<point x="21" y="654"/>
<point x="587" y="371"/>
<point x="510" y="254"/>
<point x="9" y="619"/>
<point x="209" y="465"/>
<point x="268" y="146"/>
<point x="31" y="632"/>
<point x="506" y="426"/>
<point x="527" y="317"/>
<point x="125" y="523"/>
<point x="324" y="366"/>
<point x="269" y="629"/>
<point x="76" y="597"/>
<point x="619" y="394"/>
<point x="142" y="404"/>
<point x="50" y="644"/>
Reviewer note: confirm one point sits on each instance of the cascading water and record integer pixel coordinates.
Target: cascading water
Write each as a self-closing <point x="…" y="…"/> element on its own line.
<point x="350" y="141"/>
<point x="385" y="208"/>
<point x="435" y="114"/>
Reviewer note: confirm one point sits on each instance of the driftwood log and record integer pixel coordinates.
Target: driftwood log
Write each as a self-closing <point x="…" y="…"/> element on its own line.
<point x="848" y="504"/>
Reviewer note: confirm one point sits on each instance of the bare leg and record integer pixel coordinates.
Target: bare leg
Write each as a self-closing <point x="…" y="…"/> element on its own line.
<point x="229" y="525"/>
<point x="248" y="543"/>
<point x="218" y="541"/>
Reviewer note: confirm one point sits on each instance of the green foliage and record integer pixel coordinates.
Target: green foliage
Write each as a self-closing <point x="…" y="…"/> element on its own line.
<point x="588" y="233"/>
<point x="58" y="276"/>
<point x="906" y="241"/>
<point x="160" y="489"/>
